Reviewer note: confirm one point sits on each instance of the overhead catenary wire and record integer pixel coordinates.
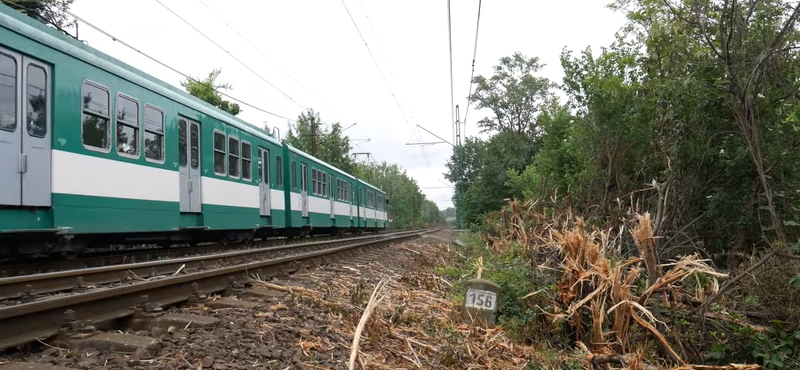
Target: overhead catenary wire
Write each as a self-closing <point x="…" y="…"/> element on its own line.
<point x="474" y="56"/>
<point x="116" y="39"/>
<point x="269" y="59"/>
<point x="452" y="94"/>
<point x="378" y="41"/>
<point x="231" y="55"/>
<point x="394" y="97"/>
<point x="374" y="61"/>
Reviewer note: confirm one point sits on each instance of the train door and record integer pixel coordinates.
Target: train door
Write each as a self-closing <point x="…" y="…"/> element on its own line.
<point x="331" y="196"/>
<point x="362" y="202"/>
<point x="25" y="121"/>
<point x="304" y="189"/>
<point x="189" y="165"/>
<point x="349" y="191"/>
<point x="263" y="183"/>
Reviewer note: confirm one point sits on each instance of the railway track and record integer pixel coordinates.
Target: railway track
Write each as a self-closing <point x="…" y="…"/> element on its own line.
<point x="115" y="257"/>
<point x="69" y="302"/>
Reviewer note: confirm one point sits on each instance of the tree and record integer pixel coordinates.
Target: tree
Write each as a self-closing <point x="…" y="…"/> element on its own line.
<point x="310" y="135"/>
<point x="463" y="169"/>
<point x="431" y="216"/>
<point x="513" y="94"/>
<point x="207" y="90"/>
<point x="749" y="40"/>
<point x="51" y="12"/>
<point x="408" y="207"/>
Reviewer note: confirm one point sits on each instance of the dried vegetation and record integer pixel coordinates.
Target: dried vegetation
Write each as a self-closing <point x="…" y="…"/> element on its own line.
<point x="611" y="294"/>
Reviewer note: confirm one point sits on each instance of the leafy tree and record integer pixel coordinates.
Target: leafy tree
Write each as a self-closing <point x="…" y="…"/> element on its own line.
<point x="431" y="216"/>
<point x="207" y="90"/>
<point x="51" y="12"/>
<point x="310" y="135"/>
<point x="556" y="166"/>
<point x="692" y="114"/>
<point x="407" y="205"/>
<point x="463" y="169"/>
<point x="513" y="94"/>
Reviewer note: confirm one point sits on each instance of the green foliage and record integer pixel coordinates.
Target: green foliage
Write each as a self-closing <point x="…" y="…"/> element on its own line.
<point x="662" y="103"/>
<point x="312" y="136"/>
<point x="52" y="12"/>
<point x="408" y="207"/>
<point x="795" y="281"/>
<point x="207" y="90"/>
<point x="513" y="94"/>
<point x="774" y="348"/>
<point x="510" y="269"/>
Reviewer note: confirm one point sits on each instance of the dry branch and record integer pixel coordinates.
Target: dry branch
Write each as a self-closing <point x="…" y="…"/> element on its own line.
<point x="373" y="302"/>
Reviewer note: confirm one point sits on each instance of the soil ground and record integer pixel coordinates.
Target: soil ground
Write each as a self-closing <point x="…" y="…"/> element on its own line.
<point x="415" y="326"/>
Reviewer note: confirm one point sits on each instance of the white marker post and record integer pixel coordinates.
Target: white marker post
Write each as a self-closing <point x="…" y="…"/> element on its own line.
<point x="480" y="302"/>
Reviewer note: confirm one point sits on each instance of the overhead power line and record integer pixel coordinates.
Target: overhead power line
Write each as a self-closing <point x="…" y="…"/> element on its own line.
<point x="117" y="39"/>
<point x="384" y="78"/>
<point x="270" y="59"/>
<point x="229" y="53"/>
<point x="474" y="56"/>
<point x="452" y="99"/>
<point x="376" y="35"/>
<point x="374" y="61"/>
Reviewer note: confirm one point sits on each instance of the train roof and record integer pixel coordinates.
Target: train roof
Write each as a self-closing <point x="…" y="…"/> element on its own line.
<point x="35" y="30"/>
<point x="315" y="159"/>
<point x="372" y="186"/>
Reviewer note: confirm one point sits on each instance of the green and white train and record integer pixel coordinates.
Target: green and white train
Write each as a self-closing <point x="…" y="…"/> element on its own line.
<point x="95" y="152"/>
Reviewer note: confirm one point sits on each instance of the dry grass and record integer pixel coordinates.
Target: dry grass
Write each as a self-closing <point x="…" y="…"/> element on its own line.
<point x="610" y="303"/>
<point x="414" y="326"/>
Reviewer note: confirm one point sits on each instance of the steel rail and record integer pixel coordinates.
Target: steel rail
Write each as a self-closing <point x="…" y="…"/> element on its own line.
<point x="114" y="257"/>
<point x="30" y="287"/>
<point x="27" y="322"/>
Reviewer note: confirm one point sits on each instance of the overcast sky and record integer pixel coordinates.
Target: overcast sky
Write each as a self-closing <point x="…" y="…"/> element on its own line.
<point x="313" y="53"/>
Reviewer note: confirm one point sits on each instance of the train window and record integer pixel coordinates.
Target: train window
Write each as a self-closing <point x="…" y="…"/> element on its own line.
<point x="304" y="176"/>
<point x="247" y="160"/>
<point x="182" y="156"/>
<point x="371" y="200"/>
<point x="279" y="170"/>
<point x="316" y="188"/>
<point x="37" y="101"/>
<point x="341" y="190"/>
<point x="294" y="174"/>
<point x="194" y="145"/>
<point x="219" y="153"/>
<point x="127" y="126"/>
<point x="313" y="181"/>
<point x="318" y="185"/>
<point x="8" y="93"/>
<point x="233" y="157"/>
<point x="361" y="199"/>
<point x="324" y="184"/>
<point x="95" y="132"/>
<point x="154" y="135"/>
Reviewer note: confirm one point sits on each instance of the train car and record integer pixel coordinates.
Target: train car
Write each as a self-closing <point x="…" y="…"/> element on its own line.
<point x="93" y="151"/>
<point x="372" y="207"/>
<point x="321" y="199"/>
